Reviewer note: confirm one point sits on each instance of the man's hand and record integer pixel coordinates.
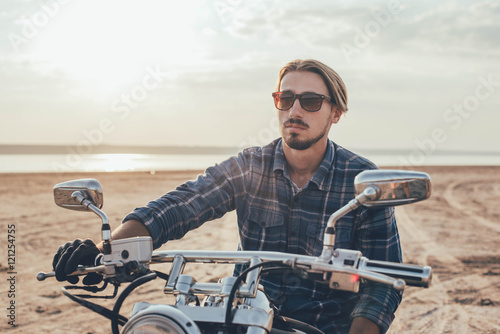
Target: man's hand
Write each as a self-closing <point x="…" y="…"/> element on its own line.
<point x="72" y="254"/>
<point x="84" y="252"/>
<point x="363" y="326"/>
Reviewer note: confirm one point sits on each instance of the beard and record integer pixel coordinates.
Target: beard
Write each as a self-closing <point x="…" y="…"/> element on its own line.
<point x="294" y="141"/>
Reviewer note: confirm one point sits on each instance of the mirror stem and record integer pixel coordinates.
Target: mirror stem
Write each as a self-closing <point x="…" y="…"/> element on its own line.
<point x="106" y="230"/>
<point x="370" y="193"/>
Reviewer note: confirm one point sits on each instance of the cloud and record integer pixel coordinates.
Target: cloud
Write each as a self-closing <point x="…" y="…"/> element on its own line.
<point x="454" y="28"/>
<point x="418" y="60"/>
<point x="457" y="28"/>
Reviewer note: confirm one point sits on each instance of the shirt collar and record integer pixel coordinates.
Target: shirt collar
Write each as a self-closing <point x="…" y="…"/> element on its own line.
<point x="323" y="174"/>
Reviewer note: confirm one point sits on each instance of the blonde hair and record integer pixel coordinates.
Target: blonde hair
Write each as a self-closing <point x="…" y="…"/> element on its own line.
<point x="335" y="85"/>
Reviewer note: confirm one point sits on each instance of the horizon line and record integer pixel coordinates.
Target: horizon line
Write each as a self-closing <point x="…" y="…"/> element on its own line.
<point x="42" y="149"/>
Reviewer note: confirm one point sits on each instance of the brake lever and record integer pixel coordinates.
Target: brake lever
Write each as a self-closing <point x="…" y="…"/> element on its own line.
<point x="81" y="270"/>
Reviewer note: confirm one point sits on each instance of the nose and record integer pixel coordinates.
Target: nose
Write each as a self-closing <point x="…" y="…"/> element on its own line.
<point x="296" y="110"/>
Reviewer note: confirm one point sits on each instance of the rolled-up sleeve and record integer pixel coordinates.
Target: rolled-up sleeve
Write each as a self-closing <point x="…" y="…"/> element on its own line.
<point x="191" y="204"/>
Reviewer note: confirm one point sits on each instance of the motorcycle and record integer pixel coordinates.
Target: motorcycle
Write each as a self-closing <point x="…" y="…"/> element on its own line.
<point x="234" y="304"/>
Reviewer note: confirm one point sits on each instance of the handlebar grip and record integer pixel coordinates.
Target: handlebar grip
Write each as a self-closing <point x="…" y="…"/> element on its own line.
<point x="413" y="275"/>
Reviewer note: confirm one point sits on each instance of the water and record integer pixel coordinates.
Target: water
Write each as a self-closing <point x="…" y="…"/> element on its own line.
<point x="57" y="163"/>
<point x="411" y="160"/>
<point x="46" y="163"/>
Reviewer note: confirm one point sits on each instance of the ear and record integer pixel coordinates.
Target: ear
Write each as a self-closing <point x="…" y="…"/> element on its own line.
<point x="335" y="115"/>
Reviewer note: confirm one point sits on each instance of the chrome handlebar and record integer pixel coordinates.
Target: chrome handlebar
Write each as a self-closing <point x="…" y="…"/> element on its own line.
<point x="344" y="262"/>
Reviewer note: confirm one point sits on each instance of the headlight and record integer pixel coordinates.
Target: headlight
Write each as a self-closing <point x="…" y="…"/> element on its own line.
<point x="160" y="319"/>
<point x="153" y="324"/>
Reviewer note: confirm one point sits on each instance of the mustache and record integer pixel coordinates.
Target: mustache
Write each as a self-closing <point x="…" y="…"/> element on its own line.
<point x="295" y="121"/>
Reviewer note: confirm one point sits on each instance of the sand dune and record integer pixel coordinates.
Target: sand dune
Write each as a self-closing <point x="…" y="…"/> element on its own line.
<point x="456" y="231"/>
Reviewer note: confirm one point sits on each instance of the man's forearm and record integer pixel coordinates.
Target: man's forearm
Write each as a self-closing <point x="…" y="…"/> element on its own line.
<point x="362" y="325"/>
<point x="129" y="229"/>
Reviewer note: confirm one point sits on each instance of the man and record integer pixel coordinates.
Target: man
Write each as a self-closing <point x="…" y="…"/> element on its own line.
<point x="284" y="193"/>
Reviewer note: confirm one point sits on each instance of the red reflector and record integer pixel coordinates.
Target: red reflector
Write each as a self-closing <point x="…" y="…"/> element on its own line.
<point x="354" y="278"/>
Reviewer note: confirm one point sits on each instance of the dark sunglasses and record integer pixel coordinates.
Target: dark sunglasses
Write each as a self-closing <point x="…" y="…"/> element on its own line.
<point x="308" y="101"/>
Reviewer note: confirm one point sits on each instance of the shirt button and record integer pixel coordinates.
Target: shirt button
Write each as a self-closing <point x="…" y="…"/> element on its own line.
<point x="293" y="233"/>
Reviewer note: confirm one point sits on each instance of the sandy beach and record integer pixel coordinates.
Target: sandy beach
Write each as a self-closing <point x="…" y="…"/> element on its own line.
<point x="456" y="232"/>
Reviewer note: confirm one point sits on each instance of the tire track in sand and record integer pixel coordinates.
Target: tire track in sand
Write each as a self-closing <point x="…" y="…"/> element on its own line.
<point x="454" y="202"/>
<point x="432" y="309"/>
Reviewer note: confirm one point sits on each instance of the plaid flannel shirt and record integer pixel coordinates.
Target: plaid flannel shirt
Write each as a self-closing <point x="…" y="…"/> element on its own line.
<point x="274" y="215"/>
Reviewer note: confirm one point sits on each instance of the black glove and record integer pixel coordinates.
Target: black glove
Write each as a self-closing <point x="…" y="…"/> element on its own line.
<point x="72" y="254"/>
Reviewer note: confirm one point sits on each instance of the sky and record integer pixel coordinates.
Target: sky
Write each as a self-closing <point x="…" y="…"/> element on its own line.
<point x="420" y="75"/>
